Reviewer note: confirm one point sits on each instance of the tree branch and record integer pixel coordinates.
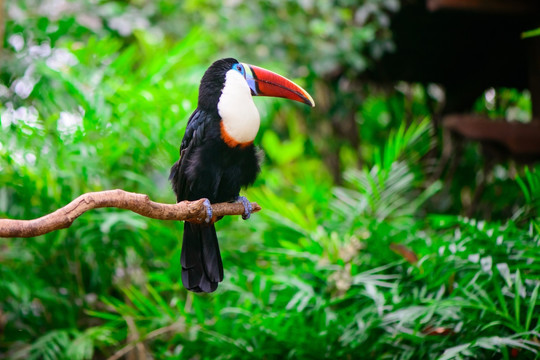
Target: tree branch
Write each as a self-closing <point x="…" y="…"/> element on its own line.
<point x="192" y="211"/>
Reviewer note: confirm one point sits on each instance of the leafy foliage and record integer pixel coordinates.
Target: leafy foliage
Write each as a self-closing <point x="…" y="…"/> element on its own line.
<point x="366" y="269"/>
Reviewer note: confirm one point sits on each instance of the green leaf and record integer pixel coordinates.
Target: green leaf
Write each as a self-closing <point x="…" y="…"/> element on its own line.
<point x="517" y="296"/>
<point x="530" y="33"/>
<point x="532" y="305"/>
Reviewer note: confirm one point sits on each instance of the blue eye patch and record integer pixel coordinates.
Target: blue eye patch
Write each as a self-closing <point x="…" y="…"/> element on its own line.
<point x="240" y="68"/>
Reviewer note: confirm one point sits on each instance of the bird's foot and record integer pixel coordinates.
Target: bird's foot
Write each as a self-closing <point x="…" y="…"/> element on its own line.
<point x="247" y="206"/>
<point x="209" y="212"/>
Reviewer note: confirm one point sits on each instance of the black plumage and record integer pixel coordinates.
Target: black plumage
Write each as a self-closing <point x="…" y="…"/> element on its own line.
<point x="209" y="168"/>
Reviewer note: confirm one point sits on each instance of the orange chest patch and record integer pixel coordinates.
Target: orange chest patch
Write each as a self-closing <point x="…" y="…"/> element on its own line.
<point x="229" y="140"/>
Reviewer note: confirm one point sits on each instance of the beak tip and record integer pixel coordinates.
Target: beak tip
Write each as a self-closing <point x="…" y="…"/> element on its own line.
<point x="307" y="99"/>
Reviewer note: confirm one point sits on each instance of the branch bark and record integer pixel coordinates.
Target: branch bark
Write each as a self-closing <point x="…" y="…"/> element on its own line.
<point x="192" y="211"/>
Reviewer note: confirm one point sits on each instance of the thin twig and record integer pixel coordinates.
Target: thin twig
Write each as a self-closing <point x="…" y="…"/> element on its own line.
<point x="133" y="335"/>
<point x="192" y="211"/>
<point x="178" y="326"/>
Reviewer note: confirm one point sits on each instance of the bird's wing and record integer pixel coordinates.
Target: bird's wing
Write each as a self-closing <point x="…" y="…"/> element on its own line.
<point x="193" y="137"/>
<point x="194" y="130"/>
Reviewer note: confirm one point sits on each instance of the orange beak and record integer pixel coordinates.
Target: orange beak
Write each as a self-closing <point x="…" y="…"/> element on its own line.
<point x="264" y="82"/>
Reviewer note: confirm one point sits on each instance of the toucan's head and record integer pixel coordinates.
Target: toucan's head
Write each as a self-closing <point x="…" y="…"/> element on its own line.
<point x="230" y="75"/>
<point x="227" y="88"/>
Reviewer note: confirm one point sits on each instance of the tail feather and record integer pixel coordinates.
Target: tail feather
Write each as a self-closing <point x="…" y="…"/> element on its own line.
<point x="202" y="268"/>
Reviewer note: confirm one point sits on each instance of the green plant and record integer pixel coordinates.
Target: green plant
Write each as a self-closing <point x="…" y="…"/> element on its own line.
<point x="364" y="270"/>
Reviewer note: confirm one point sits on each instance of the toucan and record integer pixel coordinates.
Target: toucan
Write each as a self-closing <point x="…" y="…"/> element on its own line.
<point x="218" y="158"/>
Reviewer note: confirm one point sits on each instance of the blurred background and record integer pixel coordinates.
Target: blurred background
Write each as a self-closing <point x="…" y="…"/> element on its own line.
<point x="400" y="215"/>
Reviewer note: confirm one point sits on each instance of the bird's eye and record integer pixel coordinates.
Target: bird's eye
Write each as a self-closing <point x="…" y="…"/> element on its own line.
<point x="239" y="68"/>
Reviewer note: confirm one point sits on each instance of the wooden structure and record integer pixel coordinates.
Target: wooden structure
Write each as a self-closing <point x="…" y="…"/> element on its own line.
<point x="468" y="46"/>
<point x="521" y="141"/>
<point x="496" y="6"/>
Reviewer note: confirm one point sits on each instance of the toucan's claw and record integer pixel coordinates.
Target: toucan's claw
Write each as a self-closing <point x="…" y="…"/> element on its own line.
<point x="247" y="206"/>
<point x="209" y="212"/>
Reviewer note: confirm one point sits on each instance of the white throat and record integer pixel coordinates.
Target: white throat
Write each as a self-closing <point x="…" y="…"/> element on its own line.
<point x="240" y="117"/>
